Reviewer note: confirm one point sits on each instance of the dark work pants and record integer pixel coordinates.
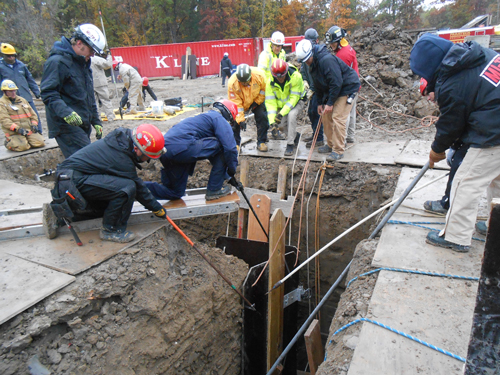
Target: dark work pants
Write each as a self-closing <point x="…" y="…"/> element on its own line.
<point x="262" y="125"/>
<point x="225" y="73"/>
<point x="32" y="104"/>
<point x="457" y="159"/>
<point x="150" y="92"/>
<point x="114" y="195"/>
<point x="177" y="168"/>
<point x="72" y="138"/>
<point x="312" y="113"/>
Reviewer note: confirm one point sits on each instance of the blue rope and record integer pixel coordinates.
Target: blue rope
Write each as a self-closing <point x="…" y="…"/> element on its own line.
<point x="415" y="272"/>
<point x="399" y="333"/>
<point x="416" y="224"/>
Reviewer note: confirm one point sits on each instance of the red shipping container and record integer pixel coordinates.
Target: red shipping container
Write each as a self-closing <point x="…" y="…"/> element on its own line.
<point x="458" y="35"/>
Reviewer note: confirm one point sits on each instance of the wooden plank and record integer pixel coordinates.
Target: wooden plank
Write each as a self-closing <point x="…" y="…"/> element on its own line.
<point x="8" y="154"/>
<point x="25" y="283"/>
<point x="276" y="201"/>
<point x="416" y="153"/>
<point x="314" y="347"/>
<point x="261" y="204"/>
<point x="275" y="298"/>
<point x="282" y="178"/>
<point x="242" y="213"/>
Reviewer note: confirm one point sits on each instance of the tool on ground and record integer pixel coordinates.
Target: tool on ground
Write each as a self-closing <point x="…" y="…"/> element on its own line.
<point x="239" y="186"/>
<point x="44" y="174"/>
<point x="121" y="110"/>
<point x="381" y="209"/>
<point x="107" y="47"/>
<point x="249" y="305"/>
<point x="73" y="232"/>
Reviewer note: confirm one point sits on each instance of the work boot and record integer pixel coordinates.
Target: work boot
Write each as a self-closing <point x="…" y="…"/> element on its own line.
<point x="309" y="138"/>
<point x="141" y="108"/>
<point x="334" y="156"/>
<point x="262" y="147"/>
<point x="434" y="239"/>
<point x="277" y="135"/>
<point x="481" y="228"/>
<point x="289" y="150"/>
<point x="435" y="206"/>
<point x="49" y="221"/>
<point x="349" y="140"/>
<point x="131" y="111"/>
<point x="318" y="144"/>
<point x="297" y="139"/>
<point x="216" y="194"/>
<point x="121" y="236"/>
<point x="324" y="149"/>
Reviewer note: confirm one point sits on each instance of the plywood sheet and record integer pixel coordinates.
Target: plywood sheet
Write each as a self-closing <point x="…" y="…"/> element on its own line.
<point x="7" y="154"/>
<point x="436" y="310"/>
<point x="62" y="253"/>
<point x="369" y="152"/>
<point x="24" y="283"/>
<point x="416" y="154"/>
<point x="20" y="196"/>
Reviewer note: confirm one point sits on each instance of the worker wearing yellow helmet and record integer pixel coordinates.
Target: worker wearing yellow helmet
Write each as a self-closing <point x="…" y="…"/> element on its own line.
<point x="18" y="120"/>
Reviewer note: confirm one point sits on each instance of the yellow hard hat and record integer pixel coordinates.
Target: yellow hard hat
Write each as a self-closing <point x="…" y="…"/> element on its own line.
<point x="7" y="84"/>
<point x="8" y="49"/>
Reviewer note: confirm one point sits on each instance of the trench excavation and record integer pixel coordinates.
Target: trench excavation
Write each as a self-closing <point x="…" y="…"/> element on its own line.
<point x="158" y="307"/>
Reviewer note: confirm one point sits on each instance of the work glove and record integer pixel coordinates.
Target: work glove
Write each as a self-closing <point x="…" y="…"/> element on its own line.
<point x="273" y="126"/>
<point x="231" y="172"/>
<point x="73" y="119"/>
<point x="306" y="85"/>
<point x="243" y="125"/>
<point x="253" y="106"/>
<point x="309" y="94"/>
<point x="449" y="156"/>
<point x="98" y="131"/>
<point x="278" y="118"/>
<point x="434" y="157"/>
<point x="237" y="184"/>
<point x="161" y="213"/>
<point x="34" y="128"/>
<point x="24" y="132"/>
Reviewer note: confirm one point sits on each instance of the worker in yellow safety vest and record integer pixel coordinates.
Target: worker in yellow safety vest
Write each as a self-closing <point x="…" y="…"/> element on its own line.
<point x="285" y="97"/>
<point x="273" y="51"/>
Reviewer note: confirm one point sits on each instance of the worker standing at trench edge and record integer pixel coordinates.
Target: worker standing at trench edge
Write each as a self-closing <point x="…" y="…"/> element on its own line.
<point x="204" y="136"/>
<point x="464" y="78"/>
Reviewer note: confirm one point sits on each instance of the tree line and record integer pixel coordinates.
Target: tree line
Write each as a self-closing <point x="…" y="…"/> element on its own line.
<point x="32" y="26"/>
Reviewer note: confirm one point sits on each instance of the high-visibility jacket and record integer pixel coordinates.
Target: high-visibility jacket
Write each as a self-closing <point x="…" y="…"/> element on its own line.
<point x="282" y="100"/>
<point x="267" y="57"/>
<point x="244" y="96"/>
<point x="16" y="114"/>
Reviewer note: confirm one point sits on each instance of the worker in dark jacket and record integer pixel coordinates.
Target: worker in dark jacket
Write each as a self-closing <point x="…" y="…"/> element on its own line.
<point x="104" y="174"/>
<point x="205" y="136"/>
<point x="15" y="70"/>
<point x="68" y="91"/>
<point x="465" y="80"/>
<point x="336" y="85"/>
<point x="225" y="68"/>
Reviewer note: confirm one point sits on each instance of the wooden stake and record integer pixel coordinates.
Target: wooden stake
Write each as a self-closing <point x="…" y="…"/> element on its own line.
<point x="282" y="177"/>
<point x="314" y="347"/>
<point x="242" y="212"/>
<point x="262" y="206"/>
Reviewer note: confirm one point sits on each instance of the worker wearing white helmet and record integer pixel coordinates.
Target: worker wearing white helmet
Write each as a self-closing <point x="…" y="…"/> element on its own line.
<point x="272" y="51"/>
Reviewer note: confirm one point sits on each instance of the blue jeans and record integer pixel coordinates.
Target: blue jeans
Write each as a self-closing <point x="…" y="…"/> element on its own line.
<point x="312" y="113"/>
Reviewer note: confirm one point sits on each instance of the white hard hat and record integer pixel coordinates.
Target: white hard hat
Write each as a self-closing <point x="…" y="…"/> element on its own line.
<point x="278" y="38"/>
<point x="91" y="35"/>
<point x="303" y="50"/>
<point x="226" y="54"/>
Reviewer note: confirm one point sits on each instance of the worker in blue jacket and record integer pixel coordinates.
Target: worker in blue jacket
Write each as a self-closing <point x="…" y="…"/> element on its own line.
<point x="206" y="136"/>
<point x="15" y="70"/>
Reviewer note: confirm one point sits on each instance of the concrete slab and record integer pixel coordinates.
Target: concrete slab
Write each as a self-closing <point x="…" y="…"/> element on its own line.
<point x="404" y="246"/>
<point x="7" y="154"/>
<point x="369" y="152"/>
<point x="436" y="310"/>
<point x="416" y="153"/>
<point x="62" y="253"/>
<point x="19" y="196"/>
<point x="24" y="283"/>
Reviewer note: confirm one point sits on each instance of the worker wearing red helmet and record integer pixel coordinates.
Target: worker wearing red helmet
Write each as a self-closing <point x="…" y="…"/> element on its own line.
<point x="103" y="182"/>
<point x="284" y="94"/>
<point x="205" y="136"/>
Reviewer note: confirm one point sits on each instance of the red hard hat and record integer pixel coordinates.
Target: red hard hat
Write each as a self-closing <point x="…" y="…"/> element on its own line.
<point x="279" y="68"/>
<point x="149" y="140"/>
<point x="115" y="64"/>
<point x="228" y="109"/>
<point x="423" y="85"/>
<point x="145" y="81"/>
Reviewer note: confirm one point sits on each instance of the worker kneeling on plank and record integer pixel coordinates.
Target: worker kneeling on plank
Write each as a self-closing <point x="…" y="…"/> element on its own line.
<point x="205" y="136"/>
<point x="101" y="180"/>
<point x="19" y="121"/>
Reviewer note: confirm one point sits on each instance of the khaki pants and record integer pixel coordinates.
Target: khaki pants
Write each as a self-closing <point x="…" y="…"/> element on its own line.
<point x="102" y="94"/>
<point x="334" y="125"/>
<point x="351" y="120"/>
<point x="479" y="170"/>
<point x="134" y="95"/>
<point x="17" y="142"/>
<point x="290" y="122"/>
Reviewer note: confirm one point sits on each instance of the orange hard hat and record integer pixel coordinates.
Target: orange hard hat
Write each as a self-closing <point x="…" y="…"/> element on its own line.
<point x="149" y="140"/>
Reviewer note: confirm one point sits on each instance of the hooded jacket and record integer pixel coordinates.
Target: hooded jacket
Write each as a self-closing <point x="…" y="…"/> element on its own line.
<point x="21" y="76"/>
<point x="244" y="96"/>
<point x="468" y="94"/>
<point x="114" y="156"/>
<point x="226" y="64"/>
<point x="66" y="87"/>
<point x="332" y="77"/>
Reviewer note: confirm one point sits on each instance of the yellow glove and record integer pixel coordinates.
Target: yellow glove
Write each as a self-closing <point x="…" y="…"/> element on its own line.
<point x="161" y="213"/>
